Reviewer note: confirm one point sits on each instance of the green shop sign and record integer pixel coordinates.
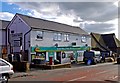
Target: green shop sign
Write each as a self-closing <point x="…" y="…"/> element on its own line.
<point x="40" y="49"/>
<point x="51" y="54"/>
<point x="52" y="49"/>
<point x="72" y="48"/>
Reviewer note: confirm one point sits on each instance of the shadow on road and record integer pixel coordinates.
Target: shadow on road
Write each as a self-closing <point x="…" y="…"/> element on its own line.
<point x="111" y="81"/>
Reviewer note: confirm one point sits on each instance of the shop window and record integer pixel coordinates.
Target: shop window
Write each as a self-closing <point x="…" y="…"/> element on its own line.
<point x="39" y="35"/>
<point x="63" y="55"/>
<point x="57" y="37"/>
<point x="66" y="37"/>
<point x="84" y="39"/>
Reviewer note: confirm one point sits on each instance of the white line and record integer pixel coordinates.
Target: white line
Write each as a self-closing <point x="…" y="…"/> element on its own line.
<point x="114" y="77"/>
<point x="106" y="71"/>
<point x="77" y="78"/>
<point x="102" y="72"/>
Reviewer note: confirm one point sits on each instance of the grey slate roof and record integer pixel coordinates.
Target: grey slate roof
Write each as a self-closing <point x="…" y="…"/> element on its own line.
<point x="37" y="23"/>
<point x="3" y="24"/>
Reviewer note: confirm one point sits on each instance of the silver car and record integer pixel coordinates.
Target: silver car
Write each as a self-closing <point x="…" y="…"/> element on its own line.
<point x="6" y="70"/>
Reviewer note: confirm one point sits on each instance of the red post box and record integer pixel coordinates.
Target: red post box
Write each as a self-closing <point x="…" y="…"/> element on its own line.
<point x="50" y="60"/>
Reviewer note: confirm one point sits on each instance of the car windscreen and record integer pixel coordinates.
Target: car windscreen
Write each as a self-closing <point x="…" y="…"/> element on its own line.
<point x="88" y="54"/>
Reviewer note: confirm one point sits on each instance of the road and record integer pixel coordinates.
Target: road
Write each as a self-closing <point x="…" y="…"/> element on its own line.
<point x="103" y="73"/>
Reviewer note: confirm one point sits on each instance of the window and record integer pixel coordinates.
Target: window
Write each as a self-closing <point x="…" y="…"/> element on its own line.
<point x="57" y="37"/>
<point x="66" y="37"/>
<point x="3" y="63"/>
<point x="84" y="39"/>
<point x="39" y="35"/>
<point x="12" y="31"/>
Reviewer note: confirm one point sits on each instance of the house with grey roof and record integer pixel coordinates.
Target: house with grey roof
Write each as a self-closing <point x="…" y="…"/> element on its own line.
<point x="3" y="25"/>
<point x="35" y="37"/>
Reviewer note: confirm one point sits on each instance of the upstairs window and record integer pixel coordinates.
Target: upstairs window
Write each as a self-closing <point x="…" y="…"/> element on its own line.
<point x="39" y="35"/>
<point x="66" y="37"/>
<point x="84" y="39"/>
<point x="57" y="37"/>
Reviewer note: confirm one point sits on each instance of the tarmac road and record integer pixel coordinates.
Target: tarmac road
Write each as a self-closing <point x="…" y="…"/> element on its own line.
<point x="105" y="73"/>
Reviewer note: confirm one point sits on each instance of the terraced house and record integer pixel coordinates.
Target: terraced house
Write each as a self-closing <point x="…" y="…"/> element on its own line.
<point x="35" y="37"/>
<point x="3" y="50"/>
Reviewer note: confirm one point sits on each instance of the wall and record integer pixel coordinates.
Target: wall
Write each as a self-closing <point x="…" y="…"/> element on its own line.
<point x="48" y="39"/>
<point x="2" y="40"/>
<point x="19" y="26"/>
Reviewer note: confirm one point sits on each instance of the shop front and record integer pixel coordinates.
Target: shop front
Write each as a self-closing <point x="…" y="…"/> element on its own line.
<point x="61" y="54"/>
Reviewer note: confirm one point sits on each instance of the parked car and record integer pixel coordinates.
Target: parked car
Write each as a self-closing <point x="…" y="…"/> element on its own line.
<point x="92" y="57"/>
<point x="6" y="70"/>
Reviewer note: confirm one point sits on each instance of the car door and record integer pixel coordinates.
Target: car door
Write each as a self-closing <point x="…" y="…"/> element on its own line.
<point x="4" y="67"/>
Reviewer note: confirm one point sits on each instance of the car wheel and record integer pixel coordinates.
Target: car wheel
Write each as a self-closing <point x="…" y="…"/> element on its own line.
<point x="4" y="79"/>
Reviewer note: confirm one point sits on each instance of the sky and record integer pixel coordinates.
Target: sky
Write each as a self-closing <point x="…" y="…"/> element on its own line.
<point x="97" y="17"/>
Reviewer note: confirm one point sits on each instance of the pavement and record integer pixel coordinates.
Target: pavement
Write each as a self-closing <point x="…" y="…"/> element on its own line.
<point x="20" y="74"/>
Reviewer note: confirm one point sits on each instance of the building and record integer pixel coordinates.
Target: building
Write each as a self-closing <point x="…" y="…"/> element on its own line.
<point x="3" y="25"/>
<point x="35" y="37"/>
<point x="105" y="42"/>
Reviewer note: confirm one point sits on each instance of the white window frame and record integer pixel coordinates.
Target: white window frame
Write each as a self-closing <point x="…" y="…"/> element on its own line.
<point x="40" y="33"/>
<point x="83" y="39"/>
<point x="66" y="37"/>
<point x="57" y="37"/>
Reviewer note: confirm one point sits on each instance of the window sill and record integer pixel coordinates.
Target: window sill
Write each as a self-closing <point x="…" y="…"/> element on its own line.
<point x="38" y="39"/>
<point x="66" y="41"/>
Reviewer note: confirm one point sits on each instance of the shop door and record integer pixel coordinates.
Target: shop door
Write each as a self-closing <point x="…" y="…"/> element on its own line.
<point x="58" y="56"/>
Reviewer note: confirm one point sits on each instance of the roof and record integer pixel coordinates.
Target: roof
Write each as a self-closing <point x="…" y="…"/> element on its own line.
<point x="98" y="42"/>
<point x="3" y="24"/>
<point x="117" y="42"/>
<point x="104" y="41"/>
<point x="109" y="39"/>
<point x="38" y="23"/>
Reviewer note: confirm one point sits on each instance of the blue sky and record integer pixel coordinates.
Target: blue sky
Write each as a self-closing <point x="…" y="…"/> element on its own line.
<point x="92" y="17"/>
<point x="12" y="8"/>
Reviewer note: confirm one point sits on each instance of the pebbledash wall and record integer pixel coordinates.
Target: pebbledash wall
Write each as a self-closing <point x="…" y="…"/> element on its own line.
<point x="36" y="42"/>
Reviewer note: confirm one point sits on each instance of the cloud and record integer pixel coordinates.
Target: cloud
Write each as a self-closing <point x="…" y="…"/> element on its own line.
<point x="6" y="16"/>
<point x="94" y="14"/>
<point x="99" y="28"/>
<point x="92" y="11"/>
<point x="98" y="11"/>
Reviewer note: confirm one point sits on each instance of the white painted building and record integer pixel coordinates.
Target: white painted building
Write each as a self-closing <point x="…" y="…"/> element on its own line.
<point x="27" y="33"/>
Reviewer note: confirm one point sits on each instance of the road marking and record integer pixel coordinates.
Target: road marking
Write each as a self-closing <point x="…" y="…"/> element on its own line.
<point x="106" y="71"/>
<point x="75" y="79"/>
<point x="114" y="77"/>
<point x="86" y="76"/>
<point x="102" y="72"/>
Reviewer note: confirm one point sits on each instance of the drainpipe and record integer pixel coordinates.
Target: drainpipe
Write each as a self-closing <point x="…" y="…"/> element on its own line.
<point x="24" y="38"/>
<point x="8" y="35"/>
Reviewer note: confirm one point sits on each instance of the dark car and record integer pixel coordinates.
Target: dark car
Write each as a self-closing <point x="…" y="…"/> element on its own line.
<point x="92" y="57"/>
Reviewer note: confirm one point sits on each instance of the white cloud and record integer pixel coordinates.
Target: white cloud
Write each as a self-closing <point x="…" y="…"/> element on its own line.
<point x="67" y="19"/>
<point x="75" y="14"/>
<point x="6" y="16"/>
<point x="115" y="21"/>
